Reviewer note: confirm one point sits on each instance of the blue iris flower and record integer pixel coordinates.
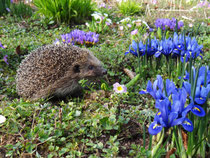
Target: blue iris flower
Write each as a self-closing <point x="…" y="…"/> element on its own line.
<point x="159" y="50"/>
<point x="168" y="47"/>
<point x="201" y="94"/>
<point x="193" y="50"/>
<point x="133" y="48"/>
<point x="152" y="47"/>
<point x="178" y="41"/>
<point x="174" y="113"/>
<point x="168" y="117"/>
<point x="200" y="98"/>
<point x="186" y="76"/>
<point x="156" y="89"/>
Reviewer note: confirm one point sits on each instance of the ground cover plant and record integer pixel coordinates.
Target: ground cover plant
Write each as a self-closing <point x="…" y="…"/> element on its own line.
<point x="153" y="102"/>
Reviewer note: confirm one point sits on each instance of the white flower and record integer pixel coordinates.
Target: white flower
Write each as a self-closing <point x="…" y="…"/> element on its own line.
<point x="109" y="21"/>
<point x="121" y="28"/>
<point x="125" y="20"/>
<point x="2" y="119"/>
<point x="57" y="42"/>
<point x="97" y="16"/>
<point x="190" y="25"/>
<point x="106" y="15"/>
<point x="119" y="88"/>
<point x="87" y="24"/>
<point x="139" y="21"/>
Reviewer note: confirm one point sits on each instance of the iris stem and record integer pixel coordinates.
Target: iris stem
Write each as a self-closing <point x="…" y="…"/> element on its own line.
<point x="183" y="70"/>
<point x="183" y="152"/>
<point x="138" y="58"/>
<point x="155" y="148"/>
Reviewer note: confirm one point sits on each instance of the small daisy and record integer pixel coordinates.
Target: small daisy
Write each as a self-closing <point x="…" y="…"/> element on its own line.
<point x="129" y="25"/>
<point x="119" y="88"/>
<point x="57" y="42"/>
<point x="2" y="119"/>
<point x="134" y="32"/>
<point x="121" y="28"/>
<point x="190" y="25"/>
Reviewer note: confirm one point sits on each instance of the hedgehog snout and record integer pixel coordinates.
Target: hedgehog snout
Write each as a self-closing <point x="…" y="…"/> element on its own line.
<point x="104" y="72"/>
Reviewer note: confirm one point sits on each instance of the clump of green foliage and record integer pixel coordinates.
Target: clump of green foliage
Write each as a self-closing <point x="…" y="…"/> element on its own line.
<point x="21" y="10"/>
<point x="129" y="7"/>
<point x="3" y="5"/>
<point x="67" y="11"/>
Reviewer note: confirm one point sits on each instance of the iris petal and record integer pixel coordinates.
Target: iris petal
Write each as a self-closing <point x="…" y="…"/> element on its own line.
<point x="157" y="54"/>
<point x="149" y="86"/>
<point x="155" y="128"/>
<point x="197" y="110"/>
<point x="143" y="92"/>
<point x="200" y="100"/>
<point x="187" y="87"/>
<point x="187" y="125"/>
<point x="126" y="53"/>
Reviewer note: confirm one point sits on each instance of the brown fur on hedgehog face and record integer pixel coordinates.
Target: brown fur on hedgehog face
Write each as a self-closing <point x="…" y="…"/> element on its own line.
<point x="55" y="71"/>
<point x="90" y="68"/>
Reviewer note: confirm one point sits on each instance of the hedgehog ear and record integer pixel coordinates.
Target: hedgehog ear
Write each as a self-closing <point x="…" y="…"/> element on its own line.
<point x="76" y="68"/>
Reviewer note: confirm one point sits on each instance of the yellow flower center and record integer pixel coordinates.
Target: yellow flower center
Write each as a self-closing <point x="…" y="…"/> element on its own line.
<point x="197" y="109"/>
<point x="158" y="113"/>
<point x="155" y="126"/>
<point x="185" y="122"/>
<point x="119" y="88"/>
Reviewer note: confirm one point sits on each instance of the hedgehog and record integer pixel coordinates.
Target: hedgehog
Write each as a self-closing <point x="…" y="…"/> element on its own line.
<point x="54" y="71"/>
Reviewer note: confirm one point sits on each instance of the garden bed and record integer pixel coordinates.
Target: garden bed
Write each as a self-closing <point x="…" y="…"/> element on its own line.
<point x="153" y="102"/>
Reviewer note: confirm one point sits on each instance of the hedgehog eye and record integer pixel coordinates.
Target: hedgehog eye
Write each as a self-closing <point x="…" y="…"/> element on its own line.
<point x="90" y="67"/>
<point x="76" y="69"/>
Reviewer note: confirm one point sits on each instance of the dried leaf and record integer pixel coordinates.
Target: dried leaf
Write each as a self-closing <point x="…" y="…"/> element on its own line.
<point x="18" y="51"/>
<point x="130" y="73"/>
<point x="185" y="138"/>
<point x="170" y="152"/>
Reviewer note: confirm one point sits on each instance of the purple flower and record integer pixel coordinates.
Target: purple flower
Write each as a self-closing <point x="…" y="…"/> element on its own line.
<point x="180" y="24"/>
<point x="11" y="1"/>
<point x="79" y="37"/>
<point x="119" y="88"/>
<point x="5" y="59"/>
<point x="8" y="9"/>
<point x="1" y="45"/>
<point x="164" y="23"/>
<point x="134" y="32"/>
<point x="129" y="25"/>
<point x="107" y="23"/>
<point x="102" y="5"/>
<point x="150" y="29"/>
<point x="154" y="1"/>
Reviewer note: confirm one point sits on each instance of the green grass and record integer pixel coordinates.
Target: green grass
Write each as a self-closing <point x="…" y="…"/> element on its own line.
<point x="67" y="11"/>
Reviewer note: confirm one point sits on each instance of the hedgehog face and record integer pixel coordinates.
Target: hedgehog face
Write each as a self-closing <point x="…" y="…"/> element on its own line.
<point x="90" y="68"/>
